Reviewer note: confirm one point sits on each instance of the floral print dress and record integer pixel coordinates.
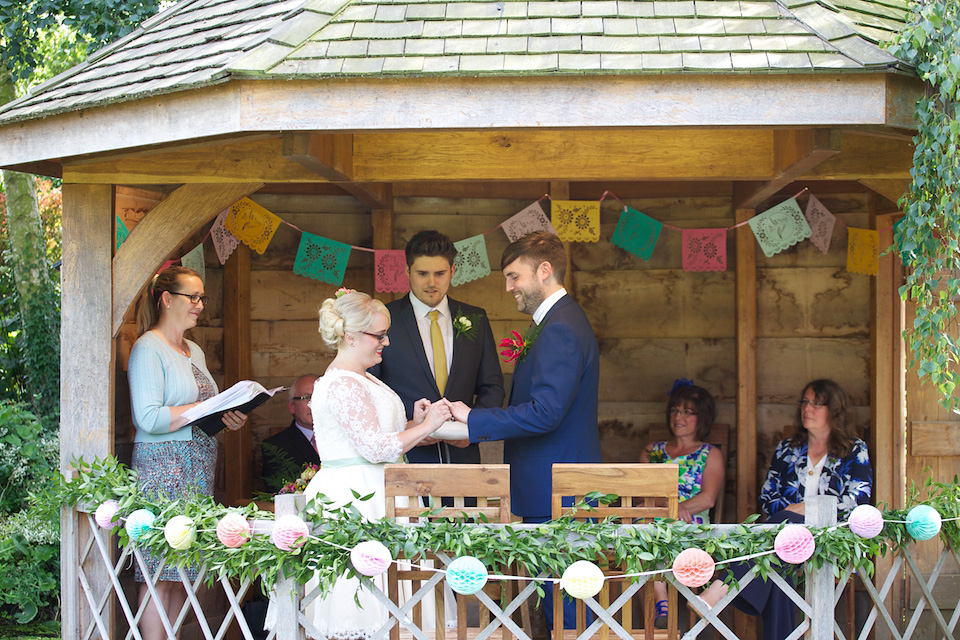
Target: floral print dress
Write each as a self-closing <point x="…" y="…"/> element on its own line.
<point x="691" y="472"/>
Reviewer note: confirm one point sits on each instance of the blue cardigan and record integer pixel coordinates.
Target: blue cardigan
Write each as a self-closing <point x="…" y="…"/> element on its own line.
<point x="850" y="479"/>
<point x="160" y="378"/>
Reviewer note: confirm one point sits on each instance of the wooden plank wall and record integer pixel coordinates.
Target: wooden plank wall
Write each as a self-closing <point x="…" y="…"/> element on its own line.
<point x="654" y="321"/>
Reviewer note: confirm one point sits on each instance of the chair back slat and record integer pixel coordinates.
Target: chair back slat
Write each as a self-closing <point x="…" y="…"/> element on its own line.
<point x="487" y="484"/>
<point x="647" y="490"/>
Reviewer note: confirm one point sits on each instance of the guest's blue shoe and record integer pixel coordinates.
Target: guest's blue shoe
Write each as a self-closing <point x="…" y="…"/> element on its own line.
<point x="660" y="622"/>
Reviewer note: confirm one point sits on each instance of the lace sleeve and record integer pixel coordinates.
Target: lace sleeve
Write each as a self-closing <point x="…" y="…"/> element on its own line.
<point x="355" y="410"/>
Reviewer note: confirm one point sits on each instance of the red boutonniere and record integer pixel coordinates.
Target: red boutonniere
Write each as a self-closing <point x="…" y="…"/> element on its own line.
<point x="515" y="349"/>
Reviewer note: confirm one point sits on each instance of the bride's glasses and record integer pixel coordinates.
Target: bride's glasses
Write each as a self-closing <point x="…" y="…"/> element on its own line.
<point x="379" y="336"/>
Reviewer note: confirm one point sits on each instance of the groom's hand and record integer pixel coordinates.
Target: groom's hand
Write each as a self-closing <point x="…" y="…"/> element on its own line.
<point x="459" y="410"/>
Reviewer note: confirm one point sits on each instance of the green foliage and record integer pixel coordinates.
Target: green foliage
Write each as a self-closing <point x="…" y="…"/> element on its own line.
<point x="552" y="546"/>
<point x="29" y="456"/>
<point x="27" y="23"/>
<point x="927" y="237"/>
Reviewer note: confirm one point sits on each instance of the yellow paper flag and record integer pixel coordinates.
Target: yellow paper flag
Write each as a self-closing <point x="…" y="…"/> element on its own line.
<point x="863" y="251"/>
<point x="251" y="224"/>
<point x="576" y="220"/>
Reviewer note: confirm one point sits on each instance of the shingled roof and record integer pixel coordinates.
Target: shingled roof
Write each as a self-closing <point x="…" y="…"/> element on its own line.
<point x="203" y="42"/>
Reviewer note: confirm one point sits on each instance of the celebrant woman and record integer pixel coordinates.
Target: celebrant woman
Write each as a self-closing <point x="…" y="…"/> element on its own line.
<point x="823" y="456"/>
<point x="360" y="424"/>
<point x="690" y="414"/>
<point x="168" y="375"/>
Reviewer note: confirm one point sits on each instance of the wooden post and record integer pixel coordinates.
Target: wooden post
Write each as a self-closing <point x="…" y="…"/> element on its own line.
<point x="746" y="306"/>
<point x="560" y="190"/>
<point x="238" y="445"/>
<point x="821" y="511"/>
<point x="86" y="379"/>
<point x="887" y="443"/>
<point x="289" y="592"/>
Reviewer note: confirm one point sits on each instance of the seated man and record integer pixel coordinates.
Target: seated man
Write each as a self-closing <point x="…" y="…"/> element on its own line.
<point x="285" y="453"/>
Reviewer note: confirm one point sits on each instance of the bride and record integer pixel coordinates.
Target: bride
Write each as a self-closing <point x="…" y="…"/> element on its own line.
<point x="359" y="424"/>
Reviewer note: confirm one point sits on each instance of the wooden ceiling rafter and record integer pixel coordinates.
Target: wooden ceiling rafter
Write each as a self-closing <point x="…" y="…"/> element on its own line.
<point x="795" y="153"/>
<point x="330" y="155"/>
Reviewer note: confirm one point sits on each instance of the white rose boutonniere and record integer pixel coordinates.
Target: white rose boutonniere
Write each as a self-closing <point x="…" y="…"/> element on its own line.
<point x="466" y="325"/>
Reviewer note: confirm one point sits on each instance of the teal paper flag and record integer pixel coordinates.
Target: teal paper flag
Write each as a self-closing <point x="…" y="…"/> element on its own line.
<point x="194" y="260"/>
<point x="637" y="233"/>
<point x="780" y="227"/>
<point x="321" y="258"/>
<point x="471" y="262"/>
<point x="122" y="232"/>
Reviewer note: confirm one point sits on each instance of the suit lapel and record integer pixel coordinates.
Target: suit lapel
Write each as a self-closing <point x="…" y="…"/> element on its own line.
<point x="407" y="323"/>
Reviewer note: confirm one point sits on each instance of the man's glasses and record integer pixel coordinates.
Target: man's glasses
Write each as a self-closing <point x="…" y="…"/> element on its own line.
<point x="194" y="297"/>
<point x="678" y="411"/>
<point x="295" y="398"/>
<point x="815" y="404"/>
<point x="379" y="336"/>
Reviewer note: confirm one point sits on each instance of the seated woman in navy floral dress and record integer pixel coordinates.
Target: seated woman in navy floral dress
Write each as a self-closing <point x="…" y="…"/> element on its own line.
<point x="822" y="457"/>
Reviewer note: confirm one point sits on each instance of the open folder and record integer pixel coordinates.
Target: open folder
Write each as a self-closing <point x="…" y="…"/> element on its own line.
<point x="245" y="396"/>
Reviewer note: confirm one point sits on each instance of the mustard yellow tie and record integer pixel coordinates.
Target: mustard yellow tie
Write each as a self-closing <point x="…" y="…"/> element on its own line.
<point x="439" y="354"/>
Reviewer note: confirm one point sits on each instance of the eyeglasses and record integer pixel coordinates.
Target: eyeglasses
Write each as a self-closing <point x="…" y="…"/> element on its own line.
<point x="379" y="336"/>
<point x="677" y="410"/>
<point x="295" y="398"/>
<point x="194" y="297"/>
<point x="816" y="405"/>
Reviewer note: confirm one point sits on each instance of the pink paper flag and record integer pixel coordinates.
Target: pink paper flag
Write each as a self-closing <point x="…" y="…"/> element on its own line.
<point x="527" y="221"/>
<point x="223" y="241"/>
<point x="821" y="223"/>
<point x="390" y="267"/>
<point x="704" y="249"/>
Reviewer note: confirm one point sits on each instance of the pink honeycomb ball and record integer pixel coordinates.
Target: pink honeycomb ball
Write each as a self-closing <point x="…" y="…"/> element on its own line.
<point x="794" y="544"/>
<point x="866" y="521"/>
<point x="289" y="532"/>
<point x="233" y="530"/>
<point x="105" y="514"/>
<point x="370" y="557"/>
<point x="693" y="567"/>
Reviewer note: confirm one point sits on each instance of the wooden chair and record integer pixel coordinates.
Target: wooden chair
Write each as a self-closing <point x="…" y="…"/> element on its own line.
<point x="646" y="491"/>
<point x="719" y="437"/>
<point x="484" y="487"/>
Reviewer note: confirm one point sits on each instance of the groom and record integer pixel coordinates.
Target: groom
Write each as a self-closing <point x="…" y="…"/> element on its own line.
<point x="552" y="415"/>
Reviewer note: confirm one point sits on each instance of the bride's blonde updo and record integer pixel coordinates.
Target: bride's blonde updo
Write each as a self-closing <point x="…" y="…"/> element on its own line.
<point x="351" y="312"/>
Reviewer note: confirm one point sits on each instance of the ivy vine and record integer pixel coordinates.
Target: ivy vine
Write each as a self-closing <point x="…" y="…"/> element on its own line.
<point x="552" y="546"/>
<point x="927" y="236"/>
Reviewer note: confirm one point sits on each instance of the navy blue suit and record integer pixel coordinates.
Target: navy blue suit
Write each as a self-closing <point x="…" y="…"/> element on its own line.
<point x="475" y="377"/>
<point x="552" y="415"/>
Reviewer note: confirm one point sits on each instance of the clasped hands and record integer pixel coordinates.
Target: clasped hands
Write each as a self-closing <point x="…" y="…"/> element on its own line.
<point x="437" y="413"/>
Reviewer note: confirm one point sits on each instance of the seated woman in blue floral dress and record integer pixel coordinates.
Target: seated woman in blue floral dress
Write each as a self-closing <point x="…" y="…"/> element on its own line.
<point x="822" y="457"/>
<point x="690" y="414"/>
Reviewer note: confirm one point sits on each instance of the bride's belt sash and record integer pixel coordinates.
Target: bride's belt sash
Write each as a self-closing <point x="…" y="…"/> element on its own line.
<point x="339" y="463"/>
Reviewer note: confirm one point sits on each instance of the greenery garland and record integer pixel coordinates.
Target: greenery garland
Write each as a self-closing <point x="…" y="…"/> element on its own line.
<point x="553" y="545"/>
<point x="927" y="236"/>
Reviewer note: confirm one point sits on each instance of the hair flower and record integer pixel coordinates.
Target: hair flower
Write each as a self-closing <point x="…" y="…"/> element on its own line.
<point x="680" y="382"/>
<point x="342" y="291"/>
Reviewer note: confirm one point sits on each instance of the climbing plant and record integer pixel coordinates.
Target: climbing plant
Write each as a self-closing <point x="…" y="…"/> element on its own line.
<point x="927" y="236"/>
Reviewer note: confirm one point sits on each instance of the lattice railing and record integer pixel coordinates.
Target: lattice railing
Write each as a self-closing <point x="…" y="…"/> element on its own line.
<point x="99" y="565"/>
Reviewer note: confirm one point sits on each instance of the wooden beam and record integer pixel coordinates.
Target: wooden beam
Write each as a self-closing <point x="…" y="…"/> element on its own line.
<point x="87" y="357"/>
<point x="178" y="216"/>
<point x="891" y="189"/>
<point x="329" y="155"/>
<point x="376" y="195"/>
<point x="795" y="153"/>
<point x="560" y="190"/>
<point x="867" y="157"/>
<point x="746" y="289"/>
<point x="238" y="445"/>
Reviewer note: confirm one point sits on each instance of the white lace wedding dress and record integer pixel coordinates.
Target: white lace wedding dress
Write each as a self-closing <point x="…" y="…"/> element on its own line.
<point x="356" y="419"/>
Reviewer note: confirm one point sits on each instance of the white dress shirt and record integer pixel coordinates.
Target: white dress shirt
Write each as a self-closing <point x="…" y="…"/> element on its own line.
<point x="547" y="304"/>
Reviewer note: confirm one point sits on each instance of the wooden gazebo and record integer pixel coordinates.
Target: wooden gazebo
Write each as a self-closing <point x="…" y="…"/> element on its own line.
<point x="366" y="121"/>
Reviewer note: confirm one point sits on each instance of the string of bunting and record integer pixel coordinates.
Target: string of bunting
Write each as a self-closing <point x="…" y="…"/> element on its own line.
<point x="692" y="567"/>
<point x="704" y="249"/>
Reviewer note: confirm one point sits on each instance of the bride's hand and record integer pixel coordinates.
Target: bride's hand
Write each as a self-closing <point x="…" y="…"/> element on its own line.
<point x="437" y="414"/>
<point x="420" y="408"/>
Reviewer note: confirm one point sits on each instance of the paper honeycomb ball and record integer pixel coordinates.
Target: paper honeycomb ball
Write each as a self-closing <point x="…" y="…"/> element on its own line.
<point x="370" y="558"/>
<point x="105" y="514"/>
<point x="289" y="532"/>
<point x="466" y="575"/>
<point x="794" y="544"/>
<point x="138" y="523"/>
<point x="923" y="522"/>
<point x="866" y="521"/>
<point x="180" y="532"/>
<point x="693" y="567"/>
<point x="582" y="579"/>
<point x="233" y="530"/>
